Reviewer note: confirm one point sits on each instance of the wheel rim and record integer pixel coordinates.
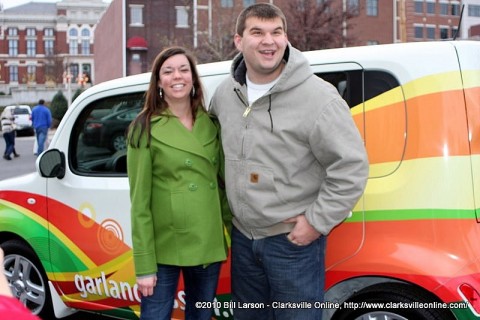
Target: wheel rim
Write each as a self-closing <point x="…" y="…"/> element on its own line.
<point x="26" y="282"/>
<point x="380" y="315"/>
<point x="119" y="143"/>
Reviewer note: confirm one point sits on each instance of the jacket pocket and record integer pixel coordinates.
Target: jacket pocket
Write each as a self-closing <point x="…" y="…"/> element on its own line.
<point x="179" y="212"/>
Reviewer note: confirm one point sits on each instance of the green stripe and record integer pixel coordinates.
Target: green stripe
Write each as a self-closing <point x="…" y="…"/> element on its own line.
<point x="412" y="214"/>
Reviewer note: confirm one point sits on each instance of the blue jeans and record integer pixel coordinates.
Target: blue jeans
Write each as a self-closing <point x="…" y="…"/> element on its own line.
<point x="274" y="270"/>
<point x="41" y="138"/>
<point x="200" y="285"/>
<point x="9" y="142"/>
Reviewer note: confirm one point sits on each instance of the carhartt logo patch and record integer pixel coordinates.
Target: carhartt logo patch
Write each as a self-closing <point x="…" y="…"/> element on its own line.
<point x="254" y="177"/>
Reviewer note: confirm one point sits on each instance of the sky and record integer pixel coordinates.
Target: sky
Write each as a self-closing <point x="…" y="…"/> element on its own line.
<point x="13" y="3"/>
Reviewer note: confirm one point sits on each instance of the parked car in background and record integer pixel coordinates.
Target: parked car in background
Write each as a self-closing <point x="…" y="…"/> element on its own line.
<point x="109" y="131"/>
<point x="23" y="119"/>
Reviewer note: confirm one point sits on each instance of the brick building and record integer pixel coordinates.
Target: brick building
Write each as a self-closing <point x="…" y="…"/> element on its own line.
<point x="44" y="44"/>
<point x="132" y="32"/>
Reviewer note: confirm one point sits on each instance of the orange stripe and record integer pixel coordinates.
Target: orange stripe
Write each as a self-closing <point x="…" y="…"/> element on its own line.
<point x="436" y="126"/>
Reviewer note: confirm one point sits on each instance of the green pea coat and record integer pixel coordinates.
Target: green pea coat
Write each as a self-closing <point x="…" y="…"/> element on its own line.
<point x="176" y="202"/>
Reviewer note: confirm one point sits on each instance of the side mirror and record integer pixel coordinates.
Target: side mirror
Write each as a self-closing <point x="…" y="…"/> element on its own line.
<point x="52" y="164"/>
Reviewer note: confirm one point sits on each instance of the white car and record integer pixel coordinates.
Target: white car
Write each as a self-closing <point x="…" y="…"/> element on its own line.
<point x="23" y="119"/>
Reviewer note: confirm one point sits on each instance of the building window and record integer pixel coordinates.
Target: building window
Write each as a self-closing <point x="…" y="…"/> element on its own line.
<point x="136" y="15"/>
<point x="48" y="32"/>
<point x="353" y="6"/>
<point x="455" y="9"/>
<point x="13" y="71"/>
<point x="430" y="7"/>
<point x="473" y="10"/>
<point x="443" y="9"/>
<point x="372" y="42"/>
<point x="49" y="47"/>
<point x="182" y="17"/>
<point x="74" y="70"/>
<point x="31" y="32"/>
<point x="454" y="32"/>
<point x="372" y="7"/>
<point x="418" y="32"/>
<point x="226" y="3"/>
<point x="430" y="32"/>
<point x="73" y="41"/>
<point x="247" y="3"/>
<point x="443" y="32"/>
<point x="13" y="48"/>
<point x="85" y="33"/>
<point x="85" y="46"/>
<point x="12" y="32"/>
<point x="31" y="48"/>
<point x="418" y="6"/>
<point x="31" y="73"/>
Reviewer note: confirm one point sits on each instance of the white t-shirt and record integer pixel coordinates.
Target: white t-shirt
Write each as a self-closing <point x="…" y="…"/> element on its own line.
<point x="256" y="91"/>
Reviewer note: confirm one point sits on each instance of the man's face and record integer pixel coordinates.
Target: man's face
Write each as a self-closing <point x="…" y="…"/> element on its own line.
<point x="263" y="44"/>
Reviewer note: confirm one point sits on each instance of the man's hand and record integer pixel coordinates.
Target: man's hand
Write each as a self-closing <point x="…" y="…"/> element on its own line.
<point x="146" y="285"/>
<point x="302" y="233"/>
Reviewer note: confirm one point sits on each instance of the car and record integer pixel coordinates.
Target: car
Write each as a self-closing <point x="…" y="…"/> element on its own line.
<point x="23" y="119"/>
<point x="109" y="131"/>
<point x="410" y="248"/>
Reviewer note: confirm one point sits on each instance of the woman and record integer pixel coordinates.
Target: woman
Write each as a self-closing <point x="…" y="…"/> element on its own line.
<point x="173" y="165"/>
<point x="7" y="122"/>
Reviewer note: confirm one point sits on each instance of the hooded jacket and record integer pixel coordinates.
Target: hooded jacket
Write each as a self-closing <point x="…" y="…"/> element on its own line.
<point x="296" y="150"/>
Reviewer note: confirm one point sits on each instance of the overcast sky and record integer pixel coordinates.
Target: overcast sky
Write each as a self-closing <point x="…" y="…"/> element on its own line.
<point x="13" y="3"/>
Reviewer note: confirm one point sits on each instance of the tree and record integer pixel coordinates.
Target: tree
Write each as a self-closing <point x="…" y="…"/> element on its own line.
<point x="314" y="25"/>
<point x="76" y="94"/>
<point x="59" y="106"/>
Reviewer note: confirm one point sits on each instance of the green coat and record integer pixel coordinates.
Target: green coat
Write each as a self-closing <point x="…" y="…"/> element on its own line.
<point x="176" y="203"/>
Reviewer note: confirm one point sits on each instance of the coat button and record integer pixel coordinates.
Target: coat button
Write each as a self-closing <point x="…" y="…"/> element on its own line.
<point x="192" y="187"/>
<point x="213" y="185"/>
<point x="188" y="162"/>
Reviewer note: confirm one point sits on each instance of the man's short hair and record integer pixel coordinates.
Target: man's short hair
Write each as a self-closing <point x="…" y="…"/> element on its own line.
<point x="263" y="11"/>
<point x="41" y="101"/>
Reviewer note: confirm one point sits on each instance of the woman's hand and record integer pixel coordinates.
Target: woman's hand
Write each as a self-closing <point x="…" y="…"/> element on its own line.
<point x="147" y="284"/>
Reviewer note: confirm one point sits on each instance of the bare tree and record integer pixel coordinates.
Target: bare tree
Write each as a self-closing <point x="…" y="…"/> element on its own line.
<point x="316" y="24"/>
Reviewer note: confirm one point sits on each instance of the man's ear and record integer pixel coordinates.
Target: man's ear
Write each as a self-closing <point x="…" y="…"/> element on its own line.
<point x="237" y="39"/>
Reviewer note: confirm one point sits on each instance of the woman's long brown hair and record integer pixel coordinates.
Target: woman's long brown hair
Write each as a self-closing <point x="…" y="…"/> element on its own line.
<point x="155" y="104"/>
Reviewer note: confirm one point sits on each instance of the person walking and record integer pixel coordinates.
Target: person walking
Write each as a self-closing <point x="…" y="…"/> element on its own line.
<point x="295" y="166"/>
<point x="173" y="162"/>
<point x="42" y="121"/>
<point x="8" y="131"/>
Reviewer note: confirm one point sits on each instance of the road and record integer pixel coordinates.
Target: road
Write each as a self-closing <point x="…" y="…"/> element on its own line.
<point x="23" y="165"/>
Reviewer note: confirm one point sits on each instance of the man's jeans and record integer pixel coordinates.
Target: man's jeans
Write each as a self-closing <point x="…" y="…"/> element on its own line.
<point x="200" y="285"/>
<point x="41" y="138"/>
<point x="9" y="142"/>
<point x="272" y="270"/>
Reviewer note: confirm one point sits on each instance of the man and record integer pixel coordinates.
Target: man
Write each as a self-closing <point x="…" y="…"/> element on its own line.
<point x="295" y="167"/>
<point x="42" y="120"/>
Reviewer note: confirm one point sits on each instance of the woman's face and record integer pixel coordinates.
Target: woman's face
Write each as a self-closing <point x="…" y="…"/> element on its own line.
<point x="176" y="78"/>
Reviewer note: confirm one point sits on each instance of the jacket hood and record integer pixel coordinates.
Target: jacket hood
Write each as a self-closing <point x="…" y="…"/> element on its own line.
<point x="296" y="71"/>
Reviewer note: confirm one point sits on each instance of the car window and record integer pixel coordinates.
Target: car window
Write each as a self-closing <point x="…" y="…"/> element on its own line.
<point x="98" y="141"/>
<point x="18" y="111"/>
<point x="350" y="83"/>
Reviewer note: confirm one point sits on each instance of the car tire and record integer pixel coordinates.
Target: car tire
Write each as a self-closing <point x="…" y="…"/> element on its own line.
<point x="384" y="293"/>
<point x="27" y="278"/>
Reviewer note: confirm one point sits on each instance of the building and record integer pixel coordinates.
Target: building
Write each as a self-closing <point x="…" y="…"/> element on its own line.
<point x="46" y="46"/>
<point x="132" y="32"/>
<point x="470" y="28"/>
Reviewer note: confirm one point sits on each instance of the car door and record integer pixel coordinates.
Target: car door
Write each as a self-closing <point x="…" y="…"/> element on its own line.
<point x="371" y="96"/>
<point x="89" y="213"/>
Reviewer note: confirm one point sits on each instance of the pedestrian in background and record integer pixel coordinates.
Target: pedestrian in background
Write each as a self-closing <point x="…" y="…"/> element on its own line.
<point x="174" y="160"/>
<point x="41" y="120"/>
<point x="8" y="131"/>
<point x="295" y="167"/>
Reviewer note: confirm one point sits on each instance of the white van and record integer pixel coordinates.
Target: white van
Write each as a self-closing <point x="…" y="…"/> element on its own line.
<point x="410" y="250"/>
